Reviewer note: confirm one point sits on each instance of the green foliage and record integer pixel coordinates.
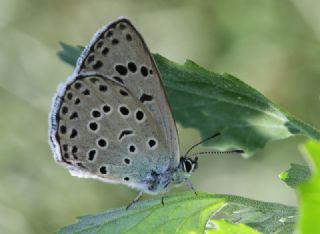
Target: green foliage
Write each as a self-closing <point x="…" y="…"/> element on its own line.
<point x="69" y="54"/>
<point x="261" y="216"/>
<point x="181" y="214"/>
<point x="211" y="102"/>
<point x="296" y="175"/>
<point x="309" y="192"/>
<point x="223" y="227"/>
<point x="187" y="213"/>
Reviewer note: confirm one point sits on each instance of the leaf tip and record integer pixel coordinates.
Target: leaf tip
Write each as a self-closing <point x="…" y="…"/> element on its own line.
<point x="283" y="175"/>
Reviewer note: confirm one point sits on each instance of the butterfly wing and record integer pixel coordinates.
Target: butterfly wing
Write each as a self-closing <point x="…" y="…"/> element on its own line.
<point x="99" y="129"/>
<point x="118" y="51"/>
<point x="111" y="119"/>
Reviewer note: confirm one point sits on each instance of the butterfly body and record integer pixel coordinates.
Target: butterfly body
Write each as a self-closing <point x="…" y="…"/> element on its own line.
<point x="111" y="120"/>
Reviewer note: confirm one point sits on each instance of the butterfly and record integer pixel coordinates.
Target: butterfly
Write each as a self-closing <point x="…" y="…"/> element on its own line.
<point x="111" y="119"/>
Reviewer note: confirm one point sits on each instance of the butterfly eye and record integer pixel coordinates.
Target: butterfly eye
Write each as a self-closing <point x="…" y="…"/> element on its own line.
<point x="187" y="165"/>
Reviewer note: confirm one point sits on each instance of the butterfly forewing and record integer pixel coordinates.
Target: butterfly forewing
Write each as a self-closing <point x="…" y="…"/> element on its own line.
<point x="105" y="132"/>
<point x="119" y="52"/>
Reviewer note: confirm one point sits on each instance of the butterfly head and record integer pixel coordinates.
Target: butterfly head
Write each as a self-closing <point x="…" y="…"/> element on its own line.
<point x="188" y="165"/>
<point x="184" y="170"/>
<point x="158" y="182"/>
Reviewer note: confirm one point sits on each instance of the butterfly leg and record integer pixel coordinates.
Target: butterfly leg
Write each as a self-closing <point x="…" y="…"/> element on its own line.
<point x="191" y="187"/>
<point x="162" y="200"/>
<point x="166" y="191"/>
<point x="135" y="200"/>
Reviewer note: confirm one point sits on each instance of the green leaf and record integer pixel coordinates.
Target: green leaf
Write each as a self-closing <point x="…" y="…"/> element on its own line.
<point x="262" y="216"/>
<point x="309" y="192"/>
<point x="182" y="213"/>
<point x="69" y="54"/>
<point x="296" y="175"/>
<point x="211" y="103"/>
<point x="223" y="227"/>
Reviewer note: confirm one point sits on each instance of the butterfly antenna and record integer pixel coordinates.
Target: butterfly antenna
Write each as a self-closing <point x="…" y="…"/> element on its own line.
<point x="217" y="153"/>
<point x="204" y="140"/>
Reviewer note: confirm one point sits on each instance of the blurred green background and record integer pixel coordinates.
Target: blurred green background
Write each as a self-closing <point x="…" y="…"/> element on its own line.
<point x="271" y="45"/>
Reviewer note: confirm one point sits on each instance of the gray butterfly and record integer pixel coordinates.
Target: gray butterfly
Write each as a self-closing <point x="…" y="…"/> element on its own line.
<point x="111" y="119"/>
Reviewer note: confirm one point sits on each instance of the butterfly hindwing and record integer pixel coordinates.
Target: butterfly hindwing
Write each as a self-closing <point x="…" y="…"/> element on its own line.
<point x="105" y="132"/>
